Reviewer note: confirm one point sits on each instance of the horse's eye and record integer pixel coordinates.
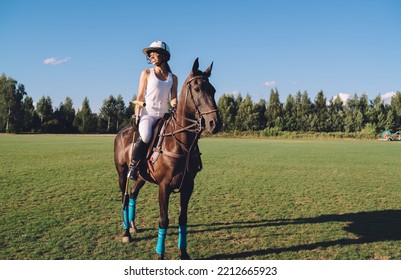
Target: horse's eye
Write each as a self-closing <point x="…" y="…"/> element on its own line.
<point x="197" y="89"/>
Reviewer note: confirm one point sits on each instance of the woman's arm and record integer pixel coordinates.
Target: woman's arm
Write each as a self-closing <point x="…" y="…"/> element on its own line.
<point x="143" y="81"/>
<point x="173" y="101"/>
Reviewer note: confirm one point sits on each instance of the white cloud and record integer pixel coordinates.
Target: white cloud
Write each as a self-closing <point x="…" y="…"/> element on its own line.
<point x="269" y="83"/>
<point x="343" y="96"/>
<point x="56" y="60"/>
<point x="386" y="98"/>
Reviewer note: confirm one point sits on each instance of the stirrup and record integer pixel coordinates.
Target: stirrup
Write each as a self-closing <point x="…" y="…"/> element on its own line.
<point x="133" y="172"/>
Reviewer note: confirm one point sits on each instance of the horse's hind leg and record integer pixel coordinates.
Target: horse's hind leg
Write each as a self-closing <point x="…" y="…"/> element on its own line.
<point x="185" y="195"/>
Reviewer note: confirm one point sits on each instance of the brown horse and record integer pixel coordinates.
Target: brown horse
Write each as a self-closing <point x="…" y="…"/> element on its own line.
<point x="179" y="159"/>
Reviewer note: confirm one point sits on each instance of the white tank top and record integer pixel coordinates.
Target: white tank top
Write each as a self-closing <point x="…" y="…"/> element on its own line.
<point x="157" y="94"/>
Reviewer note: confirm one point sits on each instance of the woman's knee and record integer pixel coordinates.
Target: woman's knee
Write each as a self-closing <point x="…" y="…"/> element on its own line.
<point x="146" y="137"/>
<point x="145" y="134"/>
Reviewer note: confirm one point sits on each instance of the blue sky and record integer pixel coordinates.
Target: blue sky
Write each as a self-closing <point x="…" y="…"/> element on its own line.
<point x="94" y="48"/>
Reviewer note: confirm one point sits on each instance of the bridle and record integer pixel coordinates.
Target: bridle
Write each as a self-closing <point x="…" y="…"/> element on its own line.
<point x="196" y="122"/>
<point x="199" y="114"/>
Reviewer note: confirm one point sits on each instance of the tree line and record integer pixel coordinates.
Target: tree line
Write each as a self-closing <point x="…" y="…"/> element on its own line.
<point x="298" y="114"/>
<point x="18" y="113"/>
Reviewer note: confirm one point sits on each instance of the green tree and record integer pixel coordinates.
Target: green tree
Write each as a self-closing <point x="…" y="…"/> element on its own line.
<point x="274" y="110"/>
<point x="381" y="121"/>
<point x="390" y="121"/>
<point x="358" y="120"/>
<point x="320" y="114"/>
<point x="44" y="108"/>
<point x="228" y="111"/>
<point x="108" y="112"/>
<point x="112" y="113"/>
<point x="11" y="96"/>
<point x="238" y="102"/>
<point x="85" y="121"/>
<point x="31" y="120"/>
<point x="336" y="114"/>
<point x="364" y="108"/>
<point x="129" y="113"/>
<point x="297" y="112"/>
<point x="395" y="106"/>
<point x="65" y="115"/>
<point x="247" y="118"/>
<point x="259" y="110"/>
<point x="375" y="109"/>
<point x="121" y="112"/>
<point x="304" y="110"/>
<point x="355" y="119"/>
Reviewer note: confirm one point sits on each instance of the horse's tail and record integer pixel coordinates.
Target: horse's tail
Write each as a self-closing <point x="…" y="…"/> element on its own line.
<point x="122" y="143"/>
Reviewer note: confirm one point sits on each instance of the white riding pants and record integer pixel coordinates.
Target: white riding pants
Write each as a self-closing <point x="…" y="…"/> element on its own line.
<point x="146" y="127"/>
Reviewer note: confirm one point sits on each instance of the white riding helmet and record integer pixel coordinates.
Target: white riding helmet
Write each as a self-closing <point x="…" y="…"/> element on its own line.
<point x="158" y="46"/>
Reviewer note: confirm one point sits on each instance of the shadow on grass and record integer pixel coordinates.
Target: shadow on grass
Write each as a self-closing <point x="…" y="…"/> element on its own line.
<point x="370" y="227"/>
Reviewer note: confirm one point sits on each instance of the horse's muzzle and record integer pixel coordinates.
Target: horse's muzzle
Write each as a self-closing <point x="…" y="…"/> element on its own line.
<point x="213" y="125"/>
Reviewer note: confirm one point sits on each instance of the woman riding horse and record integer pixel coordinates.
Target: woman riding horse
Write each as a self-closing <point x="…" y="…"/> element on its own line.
<point x="155" y="87"/>
<point x="179" y="159"/>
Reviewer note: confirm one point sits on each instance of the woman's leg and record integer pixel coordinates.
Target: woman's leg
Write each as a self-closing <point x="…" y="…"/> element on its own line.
<point x="141" y="145"/>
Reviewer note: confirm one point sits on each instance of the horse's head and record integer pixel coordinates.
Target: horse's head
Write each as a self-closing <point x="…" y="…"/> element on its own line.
<point x="201" y="92"/>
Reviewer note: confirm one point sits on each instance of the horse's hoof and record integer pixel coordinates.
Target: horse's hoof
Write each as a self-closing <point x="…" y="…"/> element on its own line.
<point x="133" y="229"/>
<point x="184" y="256"/>
<point x="127" y="239"/>
<point x="160" y="257"/>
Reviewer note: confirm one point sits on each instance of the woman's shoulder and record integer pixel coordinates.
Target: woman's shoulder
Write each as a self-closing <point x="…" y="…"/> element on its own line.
<point x="145" y="73"/>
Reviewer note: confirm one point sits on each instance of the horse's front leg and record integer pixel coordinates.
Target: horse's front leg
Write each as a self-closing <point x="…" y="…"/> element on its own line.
<point x="185" y="195"/>
<point x="164" y="196"/>
<point x="122" y="182"/>
<point x="129" y="211"/>
<point x="132" y="204"/>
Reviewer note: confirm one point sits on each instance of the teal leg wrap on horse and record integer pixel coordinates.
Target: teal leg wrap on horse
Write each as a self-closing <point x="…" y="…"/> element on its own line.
<point x="161" y="238"/>
<point x="131" y="210"/>
<point x="129" y="213"/>
<point x="182" y="237"/>
<point x="125" y="218"/>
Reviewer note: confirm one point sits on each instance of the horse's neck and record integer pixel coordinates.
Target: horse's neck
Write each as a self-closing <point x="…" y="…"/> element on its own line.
<point x="187" y="138"/>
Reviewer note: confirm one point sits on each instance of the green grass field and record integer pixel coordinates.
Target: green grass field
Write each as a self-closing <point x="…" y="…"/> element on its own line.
<point x="254" y="199"/>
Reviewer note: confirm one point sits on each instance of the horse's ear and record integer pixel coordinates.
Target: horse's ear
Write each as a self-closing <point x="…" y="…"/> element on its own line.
<point x="195" y="68"/>
<point x="208" y="71"/>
